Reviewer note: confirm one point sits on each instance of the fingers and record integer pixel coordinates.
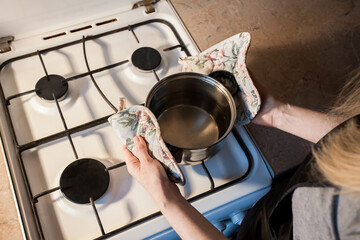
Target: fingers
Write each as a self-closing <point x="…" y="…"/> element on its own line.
<point x="132" y="163"/>
<point x="141" y="150"/>
<point x="146" y="170"/>
<point x="129" y="157"/>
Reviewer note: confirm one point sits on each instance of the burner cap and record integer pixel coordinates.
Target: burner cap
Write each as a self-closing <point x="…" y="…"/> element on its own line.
<point x="83" y="179"/>
<point x="146" y="58"/>
<point x="46" y="86"/>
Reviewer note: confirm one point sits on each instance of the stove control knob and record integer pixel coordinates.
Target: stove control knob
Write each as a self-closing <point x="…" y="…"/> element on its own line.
<point x="237" y="217"/>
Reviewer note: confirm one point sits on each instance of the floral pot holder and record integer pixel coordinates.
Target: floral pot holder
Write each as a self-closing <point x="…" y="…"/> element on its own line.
<point x="229" y="55"/>
<point x="139" y="120"/>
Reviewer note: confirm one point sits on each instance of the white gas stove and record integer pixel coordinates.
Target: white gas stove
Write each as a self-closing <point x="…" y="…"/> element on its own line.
<point x="83" y="53"/>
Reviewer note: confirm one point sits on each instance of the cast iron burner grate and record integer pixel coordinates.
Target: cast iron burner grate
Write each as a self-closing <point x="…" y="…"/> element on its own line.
<point x="84" y="179"/>
<point x="86" y="163"/>
<point x="146" y="58"/>
<point x="51" y="86"/>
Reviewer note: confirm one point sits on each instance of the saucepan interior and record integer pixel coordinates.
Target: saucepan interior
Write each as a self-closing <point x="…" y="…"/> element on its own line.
<point x="194" y="111"/>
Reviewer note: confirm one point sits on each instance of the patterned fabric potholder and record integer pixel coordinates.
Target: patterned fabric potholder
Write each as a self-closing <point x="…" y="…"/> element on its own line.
<point x="229" y="55"/>
<point x="139" y="120"/>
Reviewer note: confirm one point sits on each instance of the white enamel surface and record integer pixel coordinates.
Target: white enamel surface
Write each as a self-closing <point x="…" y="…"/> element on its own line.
<point x="220" y="205"/>
<point x="83" y="102"/>
<point x="23" y="17"/>
<point x="125" y="200"/>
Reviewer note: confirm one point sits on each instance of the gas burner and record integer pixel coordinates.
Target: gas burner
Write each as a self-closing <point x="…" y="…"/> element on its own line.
<point x="84" y="179"/>
<point x="146" y="58"/>
<point x="51" y="84"/>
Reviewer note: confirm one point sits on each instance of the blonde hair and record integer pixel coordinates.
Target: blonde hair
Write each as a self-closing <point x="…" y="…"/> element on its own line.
<point x="348" y="100"/>
<point x="338" y="155"/>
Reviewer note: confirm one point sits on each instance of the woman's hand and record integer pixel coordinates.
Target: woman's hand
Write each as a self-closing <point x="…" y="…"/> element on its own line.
<point x="181" y="215"/>
<point x="270" y="106"/>
<point x="149" y="172"/>
<point x="305" y="123"/>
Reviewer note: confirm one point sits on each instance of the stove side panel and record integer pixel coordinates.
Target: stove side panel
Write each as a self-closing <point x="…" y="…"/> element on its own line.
<point x="27" y="217"/>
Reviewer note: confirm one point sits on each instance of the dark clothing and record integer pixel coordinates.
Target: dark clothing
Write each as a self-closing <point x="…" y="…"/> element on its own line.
<point x="271" y="217"/>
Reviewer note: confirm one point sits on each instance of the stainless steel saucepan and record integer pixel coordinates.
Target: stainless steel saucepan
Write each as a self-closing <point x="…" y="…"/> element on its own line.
<point x="195" y="113"/>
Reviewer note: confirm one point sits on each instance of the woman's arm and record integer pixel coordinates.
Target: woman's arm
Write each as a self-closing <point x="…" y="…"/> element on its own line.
<point x="181" y="215"/>
<point x="301" y="122"/>
<point x="304" y="123"/>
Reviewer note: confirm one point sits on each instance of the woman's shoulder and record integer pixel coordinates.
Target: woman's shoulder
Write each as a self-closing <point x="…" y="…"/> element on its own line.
<point x="320" y="212"/>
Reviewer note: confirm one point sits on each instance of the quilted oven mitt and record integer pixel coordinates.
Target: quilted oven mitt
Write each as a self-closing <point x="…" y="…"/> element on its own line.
<point x="229" y="55"/>
<point x="139" y="120"/>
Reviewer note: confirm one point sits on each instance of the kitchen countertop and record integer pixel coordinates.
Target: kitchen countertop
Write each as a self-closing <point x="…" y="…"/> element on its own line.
<point x="9" y="223"/>
<point x="300" y="51"/>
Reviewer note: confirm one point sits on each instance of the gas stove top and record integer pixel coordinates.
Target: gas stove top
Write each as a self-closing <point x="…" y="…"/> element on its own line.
<point x="57" y="90"/>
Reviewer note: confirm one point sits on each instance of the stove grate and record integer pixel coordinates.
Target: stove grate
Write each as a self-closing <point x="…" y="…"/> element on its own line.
<point x="213" y="189"/>
<point x="68" y="132"/>
<point x="93" y="79"/>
